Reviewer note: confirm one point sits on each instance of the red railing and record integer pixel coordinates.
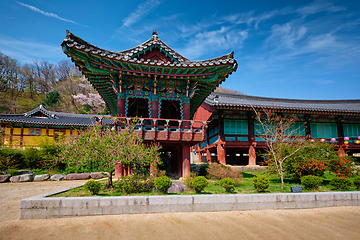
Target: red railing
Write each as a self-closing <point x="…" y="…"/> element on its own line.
<point x="164" y="129"/>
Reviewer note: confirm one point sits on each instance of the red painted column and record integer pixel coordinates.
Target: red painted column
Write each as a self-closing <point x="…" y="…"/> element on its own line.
<point x="221" y="154"/>
<point x="186" y="159"/>
<point x="208" y="156"/>
<point x="186" y="114"/>
<point x="120" y="107"/>
<point x="252" y="156"/>
<point x="154" y="109"/>
<point x="118" y="170"/>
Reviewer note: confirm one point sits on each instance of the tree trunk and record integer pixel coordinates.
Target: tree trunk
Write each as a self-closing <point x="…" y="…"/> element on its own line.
<point x="281" y="176"/>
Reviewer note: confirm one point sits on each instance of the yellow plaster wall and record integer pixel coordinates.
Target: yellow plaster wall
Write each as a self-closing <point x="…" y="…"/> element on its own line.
<point x="43" y="132"/>
<point x="16" y="131"/>
<point x="7" y="130"/>
<point x="26" y="131"/>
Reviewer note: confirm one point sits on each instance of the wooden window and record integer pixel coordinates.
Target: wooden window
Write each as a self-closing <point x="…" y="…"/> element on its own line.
<point x="323" y="130"/>
<point x="34" y="131"/>
<point x="236" y="127"/>
<point x="351" y="130"/>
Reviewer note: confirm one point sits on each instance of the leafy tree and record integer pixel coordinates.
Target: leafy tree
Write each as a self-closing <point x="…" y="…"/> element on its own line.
<point x="282" y="139"/>
<point x="103" y="148"/>
<point x="51" y="99"/>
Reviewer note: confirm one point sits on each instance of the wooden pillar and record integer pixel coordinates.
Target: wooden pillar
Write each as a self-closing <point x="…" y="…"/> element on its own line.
<point x="186" y="159"/>
<point x="340" y="131"/>
<point x="21" y="137"/>
<point x="3" y="136"/>
<point x="208" y="156"/>
<point x="154" y="109"/>
<point x="118" y="170"/>
<point x="186" y="114"/>
<point x="221" y="154"/>
<point x="252" y="156"/>
<point x="307" y="128"/>
<point x="120" y="107"/>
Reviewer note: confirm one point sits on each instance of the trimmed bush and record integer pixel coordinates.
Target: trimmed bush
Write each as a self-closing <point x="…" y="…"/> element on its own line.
<point x="199" y="183"/>
<point x="340" y="183"/>
<point x="134" y="184"/>
<point x="219" y="171"/>
<point x="162" y="184"/>
<point x="228" y="184"/>
<point x="311" y="182"/>
<point x="261" y="183"/>
<point x="357" y="182"/>
<point x="93" y="186"/>
<point x="188" y="180"/>
<point x="13" y="172"/>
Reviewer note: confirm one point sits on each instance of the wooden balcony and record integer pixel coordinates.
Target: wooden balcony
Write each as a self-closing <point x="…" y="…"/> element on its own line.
<point x="172" y="130"/>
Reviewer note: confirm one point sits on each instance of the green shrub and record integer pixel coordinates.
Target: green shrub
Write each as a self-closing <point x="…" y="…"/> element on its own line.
<point x="11" y="158"/>
<point x="311" y="182"/>
<point x="219" y="171"/>
<point x="203" y="170"/>
<point x="228" y="184"/>
<point x="32" y="157"/>
<point x="261" y="183"/>
<point x="13" y="172"/>
<point x="162" y="184"/>
<point x="93" y="186"/>
<point x="340" y="183"/>
<point x="199" y="183"/>
<point x="134" y="184"/>
<point x="357" y="182"/>
<point x="188" y="180"/>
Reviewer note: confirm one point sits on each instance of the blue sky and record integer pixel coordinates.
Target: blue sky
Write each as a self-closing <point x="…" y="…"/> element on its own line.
<point x="286" y="49"/>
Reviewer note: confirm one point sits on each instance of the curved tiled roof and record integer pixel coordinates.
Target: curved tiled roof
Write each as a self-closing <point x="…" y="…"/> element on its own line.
<point x="53" y="118"/>
<point x="128" y="55"/>
<point x="221" y="99"/>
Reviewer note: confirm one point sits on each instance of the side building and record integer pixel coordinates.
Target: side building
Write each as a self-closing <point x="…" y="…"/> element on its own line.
<point x="40" y="124"/>
<point x="234" y="135"/>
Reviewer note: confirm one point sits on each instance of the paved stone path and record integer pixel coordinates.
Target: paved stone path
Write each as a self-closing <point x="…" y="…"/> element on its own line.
<point x="322" y="223"/>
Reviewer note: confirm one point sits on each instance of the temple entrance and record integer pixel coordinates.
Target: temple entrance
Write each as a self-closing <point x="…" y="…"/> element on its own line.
<point x="138" y="107"/>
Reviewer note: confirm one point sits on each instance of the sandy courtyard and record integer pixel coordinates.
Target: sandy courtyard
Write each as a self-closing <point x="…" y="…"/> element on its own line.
<point x="322" y="223"/>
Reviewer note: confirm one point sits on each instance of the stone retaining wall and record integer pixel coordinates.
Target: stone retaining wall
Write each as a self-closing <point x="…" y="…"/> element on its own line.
<point x="55" y="207"/>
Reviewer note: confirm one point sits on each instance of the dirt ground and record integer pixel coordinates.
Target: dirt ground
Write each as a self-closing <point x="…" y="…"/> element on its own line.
<point x="321" y="223"/>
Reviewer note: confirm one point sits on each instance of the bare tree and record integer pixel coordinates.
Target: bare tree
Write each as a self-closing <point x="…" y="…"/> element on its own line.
<point x="282" y="137"/>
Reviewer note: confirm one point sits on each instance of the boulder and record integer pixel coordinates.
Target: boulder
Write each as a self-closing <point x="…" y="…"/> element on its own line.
<point x="22" y="172"/>
<point x="57" y="177"/>
<point x="4" y="178"/>
<point x="177" y="187"/>
<point x="42" y="177"/>
<point x="77" y="176"/>
<point x="22" y="178"/>
<point x="97" y="175"/>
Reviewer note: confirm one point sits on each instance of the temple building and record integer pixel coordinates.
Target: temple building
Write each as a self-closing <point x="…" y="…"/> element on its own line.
<point x="174" y="101"/>
<point x="153" y="83"/>
<point x="234" y="135"/>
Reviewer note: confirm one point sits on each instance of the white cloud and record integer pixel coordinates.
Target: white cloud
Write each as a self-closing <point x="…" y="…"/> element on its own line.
<point x="285" y="36"/>
<point x="141" y="11"/>
<point x="46" y="13"/>
<point x="204" y="42"/>
<point x="318" y="6"/>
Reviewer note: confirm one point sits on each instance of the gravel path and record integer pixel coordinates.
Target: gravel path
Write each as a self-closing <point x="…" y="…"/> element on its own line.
<point x="321" y="223"/>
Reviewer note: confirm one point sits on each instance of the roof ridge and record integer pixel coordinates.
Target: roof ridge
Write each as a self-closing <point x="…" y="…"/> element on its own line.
<point x="284" y="99"/>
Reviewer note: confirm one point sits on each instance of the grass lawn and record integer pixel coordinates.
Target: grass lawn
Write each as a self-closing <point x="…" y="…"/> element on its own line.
<point x="245" y="187"/>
